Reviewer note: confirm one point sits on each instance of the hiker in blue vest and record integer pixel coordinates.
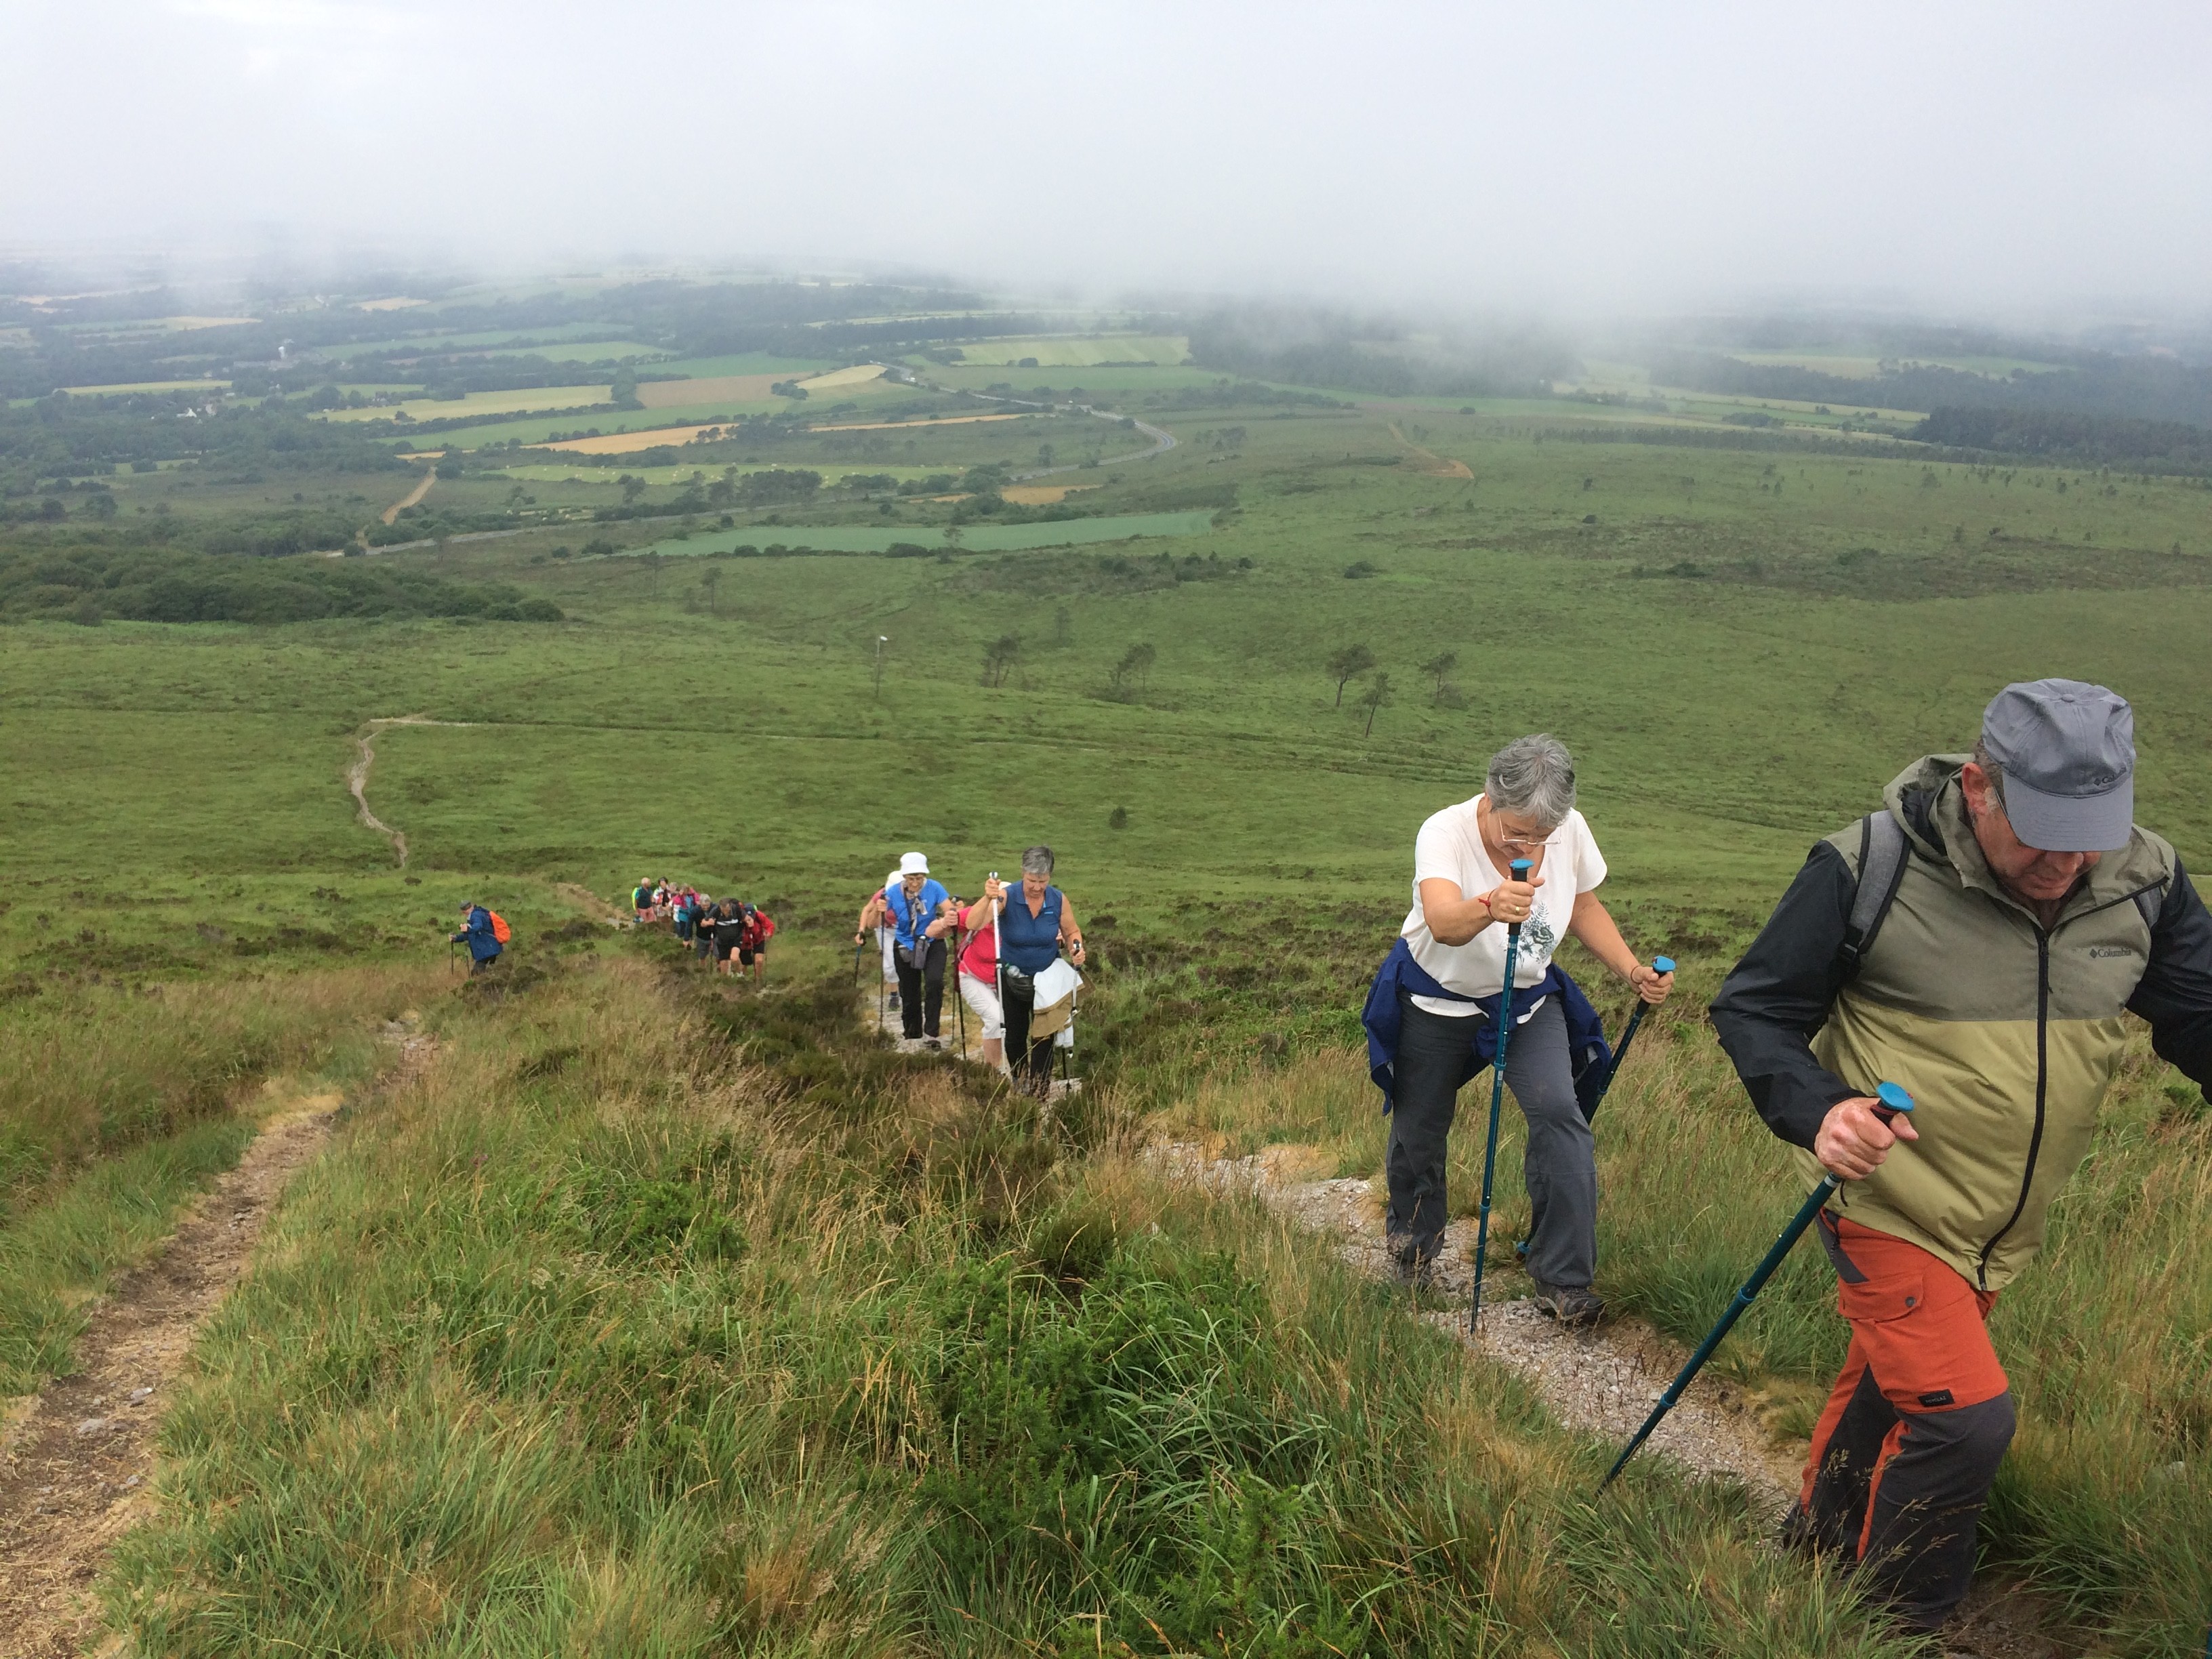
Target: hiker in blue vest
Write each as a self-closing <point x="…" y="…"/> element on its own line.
<point x="1431" y="1015"/>
<point x="917" y="904"/>
<point x="1036" y="925"/>
<point x="482" y="938"/>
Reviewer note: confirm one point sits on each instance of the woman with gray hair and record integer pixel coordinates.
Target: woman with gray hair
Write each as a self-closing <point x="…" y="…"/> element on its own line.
<point x="1464" y="899"/>
<point x="1036" y="924"/>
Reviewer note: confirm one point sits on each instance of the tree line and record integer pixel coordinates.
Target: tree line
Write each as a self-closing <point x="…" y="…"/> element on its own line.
<point x="93" y="583"/>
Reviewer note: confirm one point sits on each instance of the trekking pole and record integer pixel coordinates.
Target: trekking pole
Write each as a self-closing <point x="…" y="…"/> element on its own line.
<point x="959" y="1002"/>
<point x="1659" y="965"/>
<point x="1520" y="869"/>
<point x="1893" y="1100"/>
<point x="999" y="969"/>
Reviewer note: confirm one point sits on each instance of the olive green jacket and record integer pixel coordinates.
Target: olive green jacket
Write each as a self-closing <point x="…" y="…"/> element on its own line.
<point x="2006" y="1033"/>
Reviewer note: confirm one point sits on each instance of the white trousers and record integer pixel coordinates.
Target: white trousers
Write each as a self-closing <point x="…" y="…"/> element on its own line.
<point x="982" y="996"/>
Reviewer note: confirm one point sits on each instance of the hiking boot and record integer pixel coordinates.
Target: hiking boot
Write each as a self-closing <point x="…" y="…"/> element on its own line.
<point x="1410" y="1265"/>
<point x="894" y="1003"/>
<point x="1572" y="1306"/>
<point x="932" y="1043"/>
<point x="1415" y="1273"/>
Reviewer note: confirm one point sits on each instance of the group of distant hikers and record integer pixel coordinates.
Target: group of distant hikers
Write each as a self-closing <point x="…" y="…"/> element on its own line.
<point x="1016" y="947"/>
<point x="1965" y="954"/>
<point x="729" y="935"/>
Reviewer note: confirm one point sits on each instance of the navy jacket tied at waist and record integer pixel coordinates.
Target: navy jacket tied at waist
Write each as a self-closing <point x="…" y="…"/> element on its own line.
<point x="1588" y="1053"/>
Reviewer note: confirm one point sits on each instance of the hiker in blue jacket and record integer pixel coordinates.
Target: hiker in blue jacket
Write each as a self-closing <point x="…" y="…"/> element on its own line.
<point x="484" y="942"/>
<point x="1442" y="985"/>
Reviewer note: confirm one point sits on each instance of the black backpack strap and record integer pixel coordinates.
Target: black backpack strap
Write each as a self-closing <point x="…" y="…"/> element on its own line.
<point x="1882" y="856"/>
<point x="2151" y="901"/>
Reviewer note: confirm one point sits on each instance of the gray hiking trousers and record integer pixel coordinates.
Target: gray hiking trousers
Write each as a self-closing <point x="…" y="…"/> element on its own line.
<point x="1436" y="1058"/>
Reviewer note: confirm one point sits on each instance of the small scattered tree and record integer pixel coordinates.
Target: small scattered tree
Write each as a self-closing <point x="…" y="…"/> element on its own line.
<point x="1135" y="670"/>
<point x="999" y="658"/>
<point x="1438" y="668"/>
<point x="1348" y="662"/>
<point x="712" y="582"/>
<point x="632" y="487"/>
<point x="1377" y="695"/>
<point x="1044" y="454"/>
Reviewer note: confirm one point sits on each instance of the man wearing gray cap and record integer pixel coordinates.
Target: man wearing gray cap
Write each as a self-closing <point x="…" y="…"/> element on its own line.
<point x="1978" y="941"/>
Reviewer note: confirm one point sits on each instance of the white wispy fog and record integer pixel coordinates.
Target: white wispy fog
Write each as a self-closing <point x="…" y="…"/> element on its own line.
<point x="2002" y="156"/>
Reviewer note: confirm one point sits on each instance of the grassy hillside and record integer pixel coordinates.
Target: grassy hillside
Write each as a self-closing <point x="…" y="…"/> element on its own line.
<point x="1741" y="643"/>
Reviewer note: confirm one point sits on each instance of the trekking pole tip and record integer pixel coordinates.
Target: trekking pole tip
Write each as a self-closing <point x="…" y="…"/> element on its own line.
<point x="1663" y="964"/>
<point x="1892" y="1098"/>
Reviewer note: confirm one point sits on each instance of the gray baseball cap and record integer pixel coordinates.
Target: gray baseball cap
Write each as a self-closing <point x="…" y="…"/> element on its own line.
<point x="2069" y="752"/>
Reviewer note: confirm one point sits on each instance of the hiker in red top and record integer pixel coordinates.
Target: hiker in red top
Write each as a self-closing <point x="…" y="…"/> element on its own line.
<point x="753" y="950"/>
<point x="979" y="979"/>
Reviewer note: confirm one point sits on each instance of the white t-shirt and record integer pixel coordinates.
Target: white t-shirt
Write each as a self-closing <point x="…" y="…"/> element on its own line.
<point x="1449" y="848"/>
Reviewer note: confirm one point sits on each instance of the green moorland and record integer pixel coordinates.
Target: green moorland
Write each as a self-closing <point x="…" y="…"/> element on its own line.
<point x="655" y="1318"/>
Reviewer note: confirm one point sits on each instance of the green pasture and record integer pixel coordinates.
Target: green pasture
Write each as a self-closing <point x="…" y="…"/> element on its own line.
<point x="427" y="340"/>
<point x="1077" y="350"/>
<point x="972" y="538"/>
<point x="1865" y="365"/>
<point x="886" y="395"/>
<point x="481" y="403"/>
<point x="743" y="362"/>
<point x="1838" y="615"/>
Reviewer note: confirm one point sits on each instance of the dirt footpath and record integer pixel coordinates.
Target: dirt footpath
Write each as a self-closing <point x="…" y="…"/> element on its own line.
<point x="76" y="1467"/>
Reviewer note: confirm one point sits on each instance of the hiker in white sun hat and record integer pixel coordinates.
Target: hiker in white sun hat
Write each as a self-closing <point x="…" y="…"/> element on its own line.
<point x="916" y="904"/>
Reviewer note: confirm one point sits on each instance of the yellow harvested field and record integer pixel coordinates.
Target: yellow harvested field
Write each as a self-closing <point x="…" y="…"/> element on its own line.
<point x="549" y="397"/>
<point x="1042" y="494"/>
<point x="721" y="388"/>
<point x="858" y="374"/>
<point x="915" y="426"/>
<point x="147" y="386"/>
<point x="621" y="443"/>
<point x="396" y="302"/>
<point x="178" y="325"/>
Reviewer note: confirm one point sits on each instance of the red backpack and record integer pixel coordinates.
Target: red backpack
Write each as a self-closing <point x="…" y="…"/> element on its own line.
<point x="499" y="930"/>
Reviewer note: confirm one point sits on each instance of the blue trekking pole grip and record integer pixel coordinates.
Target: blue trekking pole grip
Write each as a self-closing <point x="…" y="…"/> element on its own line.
<point x="1659" y="965"/>
<point x="1520" y="868"/>
<point x="1892" y="1100"/>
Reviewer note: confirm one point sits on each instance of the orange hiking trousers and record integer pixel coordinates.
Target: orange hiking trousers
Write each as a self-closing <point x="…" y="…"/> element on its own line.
<point x="1904" y="1454"/>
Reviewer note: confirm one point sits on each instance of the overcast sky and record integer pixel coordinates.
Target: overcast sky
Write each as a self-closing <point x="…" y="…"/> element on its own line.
<point x="1998" y="158"/>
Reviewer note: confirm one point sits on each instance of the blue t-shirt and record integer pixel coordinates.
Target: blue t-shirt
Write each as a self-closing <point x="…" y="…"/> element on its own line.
<point x="910" y="920"/>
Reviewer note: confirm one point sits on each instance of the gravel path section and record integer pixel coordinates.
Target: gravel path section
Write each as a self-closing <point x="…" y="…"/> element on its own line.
<point x="76" y="1467"/>
<point x="1604" y="1381"/>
